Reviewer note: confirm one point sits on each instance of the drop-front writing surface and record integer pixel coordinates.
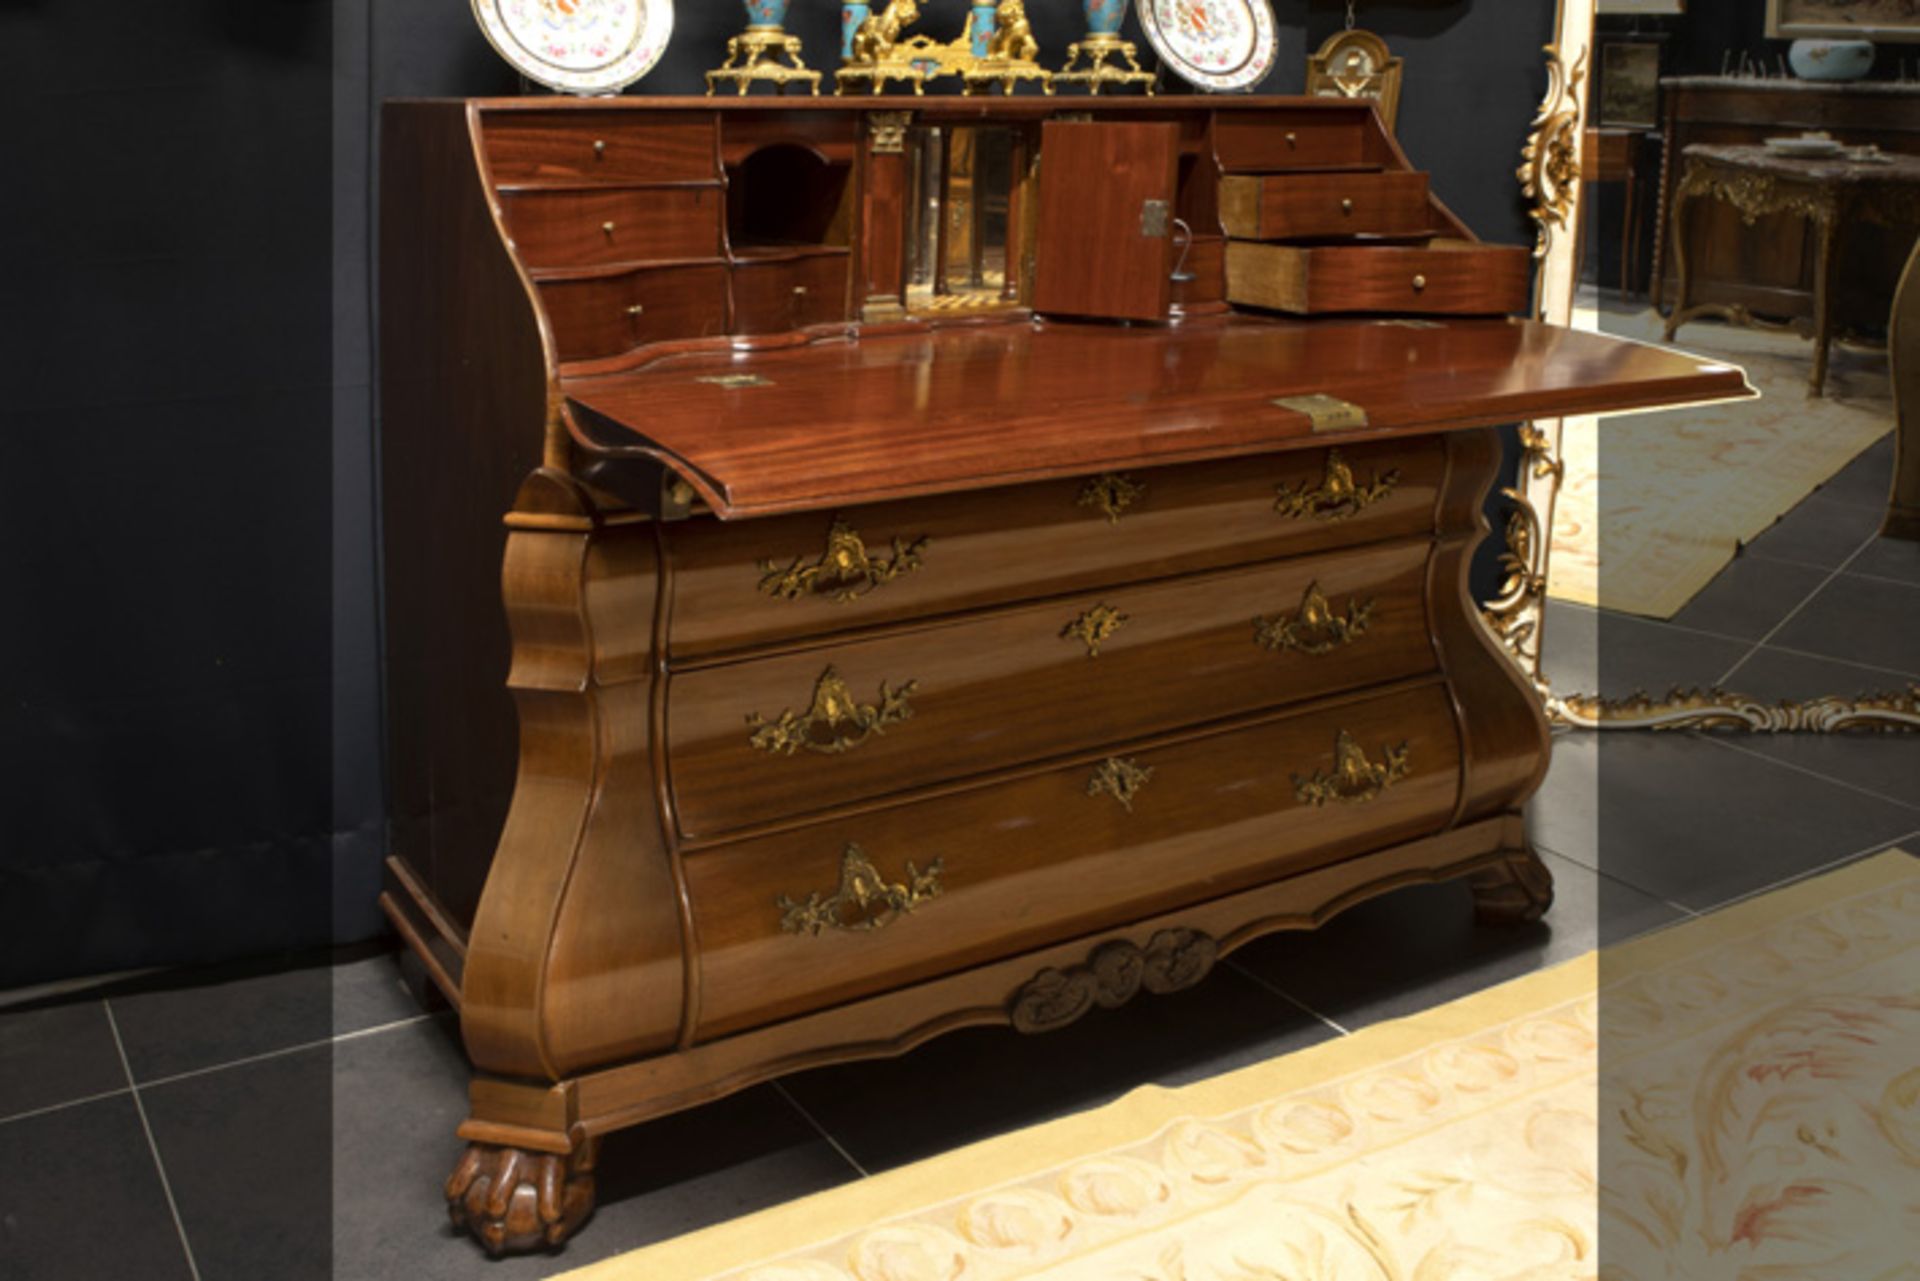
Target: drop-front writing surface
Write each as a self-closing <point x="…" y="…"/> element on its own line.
<point x="910" y="596"/>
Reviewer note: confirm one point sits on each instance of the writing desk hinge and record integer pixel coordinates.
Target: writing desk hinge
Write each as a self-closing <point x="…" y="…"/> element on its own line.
<point x="1327" y="413"/>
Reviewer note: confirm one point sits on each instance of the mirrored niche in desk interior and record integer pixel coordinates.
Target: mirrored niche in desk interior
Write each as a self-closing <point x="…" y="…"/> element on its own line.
<point x="967" y="246"/>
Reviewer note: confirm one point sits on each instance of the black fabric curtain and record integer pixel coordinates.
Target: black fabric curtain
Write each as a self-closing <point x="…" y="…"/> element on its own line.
<point x="190" y="745"/>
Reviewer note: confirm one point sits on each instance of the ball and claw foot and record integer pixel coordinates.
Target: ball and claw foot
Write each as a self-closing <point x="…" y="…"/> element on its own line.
<point x="514" y="1201"/>
<point x="1515" y="891"/>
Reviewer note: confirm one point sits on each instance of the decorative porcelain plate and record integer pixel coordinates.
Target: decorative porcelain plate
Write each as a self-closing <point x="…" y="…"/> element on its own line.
<point x="578" y="46"/>
<point x="1220" y="45"/>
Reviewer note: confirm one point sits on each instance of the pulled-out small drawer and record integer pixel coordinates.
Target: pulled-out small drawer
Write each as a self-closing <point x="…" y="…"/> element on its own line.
<point x="575" y="147"/>
<point x="754" y="583"/>
<point x="1294" y="206"/>
<point x="818" y="727"/>
<point x="604" y="315"/>
<point x="593" y="227"/>
<point x="819" y="915"/>
<point x="1445" y="277"/>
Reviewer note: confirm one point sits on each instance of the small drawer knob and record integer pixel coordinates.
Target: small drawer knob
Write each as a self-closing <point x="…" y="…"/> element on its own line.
<point x="599" y="148"/>
<point x="799" y="291"/>
<point x="607" y="228"/>
<point x="1293" y="141"/>
<point x="1346" y="206"/>
<point x="637" y="309"/>
<point x="1419" y="284"/>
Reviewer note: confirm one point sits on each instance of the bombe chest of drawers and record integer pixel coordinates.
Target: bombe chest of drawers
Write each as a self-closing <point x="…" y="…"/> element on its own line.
<point x="856" y="571"/>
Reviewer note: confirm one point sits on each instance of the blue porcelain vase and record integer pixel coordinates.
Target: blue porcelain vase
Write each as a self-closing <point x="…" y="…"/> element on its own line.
<point x="1104" y="16"/>
<point x="767" y="13"/>
<point x="1831" y="59"/>
<point x="851" y="16"/>
<point x="986" y="17"/>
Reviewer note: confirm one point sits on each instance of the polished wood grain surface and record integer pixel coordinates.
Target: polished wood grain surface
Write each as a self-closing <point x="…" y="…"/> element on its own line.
<point x="1292" y="206"/>
<point x="448" y="290"/>
<point x="1164" y="521"/>
<point x="772" y="294"/>
<point x="1040" y="858"/>
<point x="559" y="147"/>
<point x="1110" y="257"/>
<point x="603" y="315"/>
<point x="997" y="688"/>
<point x="890" y="417"/>
<point x="587" y="227"/>
<point x="1444" y="278"/>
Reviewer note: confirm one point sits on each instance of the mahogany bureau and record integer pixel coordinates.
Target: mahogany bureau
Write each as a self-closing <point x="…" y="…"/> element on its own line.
<point x="859" y="570"/>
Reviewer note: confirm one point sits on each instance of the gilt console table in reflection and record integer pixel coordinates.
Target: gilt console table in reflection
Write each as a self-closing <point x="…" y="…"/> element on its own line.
<point x="1833" y="195"/>
<point x="1768" y="268"/>
<point x="848" y="579"/>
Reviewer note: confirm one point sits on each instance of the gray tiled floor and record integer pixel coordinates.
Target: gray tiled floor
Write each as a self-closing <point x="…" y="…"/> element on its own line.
<point x="298" y="1124"/>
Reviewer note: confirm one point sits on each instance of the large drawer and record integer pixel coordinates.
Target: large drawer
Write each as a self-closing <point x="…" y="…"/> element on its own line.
<point x="1292" y="206"/>
<point x="765" y="581"/>
<point x="1046" y="857"/>
<point x="1447" y="277"/>
<point x="822" y="726"/>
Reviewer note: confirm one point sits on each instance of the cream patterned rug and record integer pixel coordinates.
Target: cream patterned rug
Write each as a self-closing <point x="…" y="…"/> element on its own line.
<point x="1655" y="505"/>
<point x="1760" y="1084"/>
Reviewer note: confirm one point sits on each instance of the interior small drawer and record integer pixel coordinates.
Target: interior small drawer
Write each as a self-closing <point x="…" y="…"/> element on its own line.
<point x="1264" y="141"/>
<point x="813" y="728"/>
<point x="571" y="147"/>
<point x="776" y="294"/>
<point x="1446" y="277"/>
<point x="1301" y="205"/>
<point x="603" y="315"/>
<point x="755" y="583"/>
<point x="588" y="227"/>
<point x="1001" y="869"/>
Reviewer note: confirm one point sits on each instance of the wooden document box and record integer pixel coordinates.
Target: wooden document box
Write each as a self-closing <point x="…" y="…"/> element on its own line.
<point x="932" y="593"/>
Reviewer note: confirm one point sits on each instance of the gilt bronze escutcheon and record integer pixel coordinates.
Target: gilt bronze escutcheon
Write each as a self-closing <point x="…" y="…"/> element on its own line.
<point x="1354" y="779"/>
<point x="1315" y="627"/>
<point x="847" y="721"/>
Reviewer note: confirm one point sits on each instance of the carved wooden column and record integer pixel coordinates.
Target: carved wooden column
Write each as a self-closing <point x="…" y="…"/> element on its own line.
<point x="888" y="188"/>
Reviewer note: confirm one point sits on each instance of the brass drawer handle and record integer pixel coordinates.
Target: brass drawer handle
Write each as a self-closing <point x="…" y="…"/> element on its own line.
<point x="1094" y="627"/>
<point x="874" y="900"/>
<point x="1337" y="496"/>
<point x="1346" y="206"/>
<point x="1419" y="284"/>
<point x="1120" y="779"/>
<point x="599" y="148"/>
<point x="637" y="309"/>
<point x="1112" y="494"/>
<point x="844" y="571"/>
<point x="1314" y="628"/>
<point x="606" y="229"/>
<point x="847" y="721"/>
<point x="1354" y="780"/>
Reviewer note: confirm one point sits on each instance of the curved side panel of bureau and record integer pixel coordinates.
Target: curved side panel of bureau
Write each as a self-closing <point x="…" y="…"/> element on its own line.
<point x="1504" y="735"/>
<point x="575" y="958"/>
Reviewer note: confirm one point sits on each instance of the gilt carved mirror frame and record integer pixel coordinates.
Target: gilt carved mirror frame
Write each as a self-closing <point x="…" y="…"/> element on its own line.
<point x="1550" y="178"/>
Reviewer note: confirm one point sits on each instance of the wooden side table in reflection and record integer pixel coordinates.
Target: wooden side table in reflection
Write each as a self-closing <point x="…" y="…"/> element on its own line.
<point x="1613" y="155"/>
<point x="1830" y="193"/>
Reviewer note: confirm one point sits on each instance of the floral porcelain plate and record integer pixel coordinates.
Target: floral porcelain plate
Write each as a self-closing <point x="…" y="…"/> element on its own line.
<point x="578" y="46"/>
<point x="1215" y="44"/>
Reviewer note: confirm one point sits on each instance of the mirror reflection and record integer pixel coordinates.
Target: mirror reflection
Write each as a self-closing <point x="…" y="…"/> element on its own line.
<point x="961" y="228"/>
